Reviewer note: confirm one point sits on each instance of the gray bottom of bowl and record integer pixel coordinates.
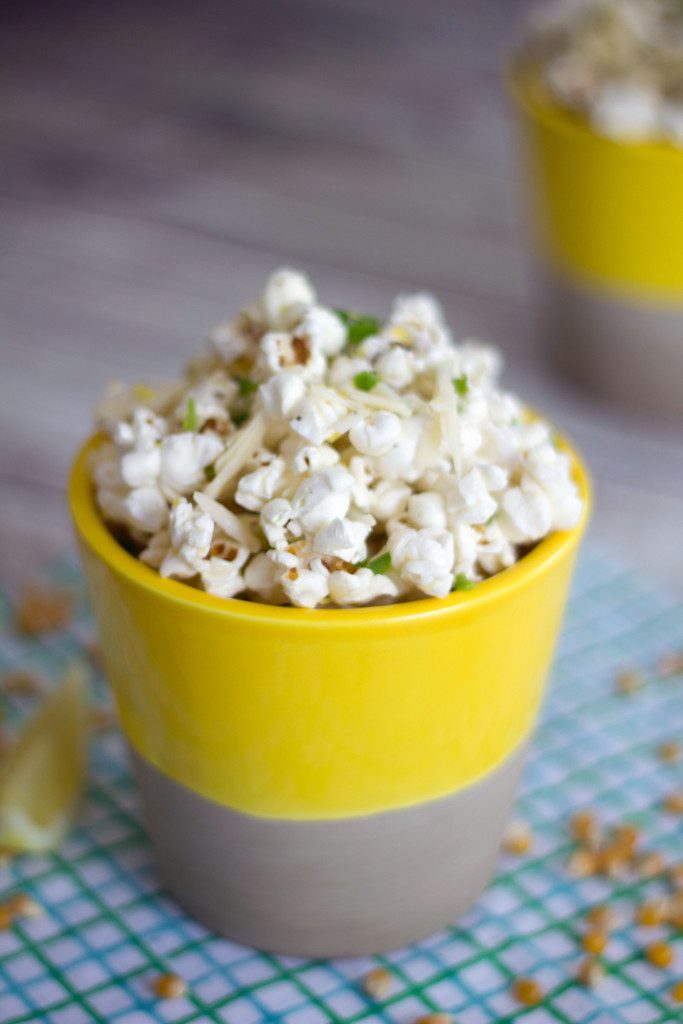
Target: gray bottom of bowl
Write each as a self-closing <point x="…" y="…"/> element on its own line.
<point x="339" y="887"/>
<point x="627" y="350"/>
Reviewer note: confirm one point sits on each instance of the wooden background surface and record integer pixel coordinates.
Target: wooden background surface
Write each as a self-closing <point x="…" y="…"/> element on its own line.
<point x="158" y="160"/>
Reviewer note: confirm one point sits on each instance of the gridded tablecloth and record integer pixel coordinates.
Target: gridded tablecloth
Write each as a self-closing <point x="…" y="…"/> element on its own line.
<point x="110" y="927"/>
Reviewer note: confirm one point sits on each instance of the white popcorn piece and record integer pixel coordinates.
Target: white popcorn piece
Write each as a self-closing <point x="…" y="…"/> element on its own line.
<point x="282" y="393"/>
<point x="222" y="577"/>
<point x="304" y="587"/>
<point x="183" y="459"/>
<point x="146" y="509"/>
<point x="316" y="418"/>
<point x="322" y="497"/>
<point x="427" y="510"/>
<point x="396" y="367"/>
<point x="625" y="111"/>
<point x="142" y="432"/>
<point x="286" y="292"/>
<point x="344" y="538"/>
<point x="262" y="577"/>
<point x="276" y="515"/>
<point x="376" y="434"/>
<point x="311" y="458"/>
<point x="256" y="488"/>
<point x="141" y="468"/>
<point x="191" y="533"/>
<point x="323" y="329"/>
<point x="360" y="587"/>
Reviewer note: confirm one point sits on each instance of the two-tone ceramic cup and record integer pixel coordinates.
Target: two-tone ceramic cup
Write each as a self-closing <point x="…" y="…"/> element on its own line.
<point x="324" y="782"/>
<point x="607" y="221"/>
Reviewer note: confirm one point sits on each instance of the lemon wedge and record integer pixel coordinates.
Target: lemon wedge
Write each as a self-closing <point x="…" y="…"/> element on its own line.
<point x="41" y="777"/>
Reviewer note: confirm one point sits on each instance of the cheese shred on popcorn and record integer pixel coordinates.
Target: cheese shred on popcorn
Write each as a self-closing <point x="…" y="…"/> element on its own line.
<point x="316" y="457"/>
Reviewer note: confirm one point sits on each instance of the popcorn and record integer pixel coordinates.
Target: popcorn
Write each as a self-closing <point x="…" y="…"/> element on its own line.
<point x="360" y="587"/>
<point x="617" y="62"/>
<point x="323" y="496"/>
<point x="344" y="538"/>
<point x="255" y="489"/>
<point x="376" y="434"/>
<point x="305" y="588"/>
<point x="286" y="291"/>
<point x="190" y="534"/>
<point x="317" y="459"/>
<point x="183" y="459"/>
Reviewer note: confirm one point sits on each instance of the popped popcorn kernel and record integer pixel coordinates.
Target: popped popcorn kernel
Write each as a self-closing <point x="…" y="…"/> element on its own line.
<point x="377" y="983"/>
<point x="169" y="986"/>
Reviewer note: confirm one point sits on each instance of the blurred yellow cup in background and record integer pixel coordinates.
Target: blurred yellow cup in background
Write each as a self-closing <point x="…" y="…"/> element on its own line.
<point x="607" y="224"/>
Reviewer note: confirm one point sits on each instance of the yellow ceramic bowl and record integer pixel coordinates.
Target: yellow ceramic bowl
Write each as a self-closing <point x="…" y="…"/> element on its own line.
<point x="324" y="727"/>
<point x="607" y="222"/>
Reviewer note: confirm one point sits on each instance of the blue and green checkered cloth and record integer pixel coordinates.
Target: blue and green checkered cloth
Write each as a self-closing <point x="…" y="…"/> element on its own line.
<point x="110" y="928"/>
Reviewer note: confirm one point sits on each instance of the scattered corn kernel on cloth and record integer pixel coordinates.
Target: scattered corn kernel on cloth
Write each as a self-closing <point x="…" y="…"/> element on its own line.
<point x="109" y="927"/>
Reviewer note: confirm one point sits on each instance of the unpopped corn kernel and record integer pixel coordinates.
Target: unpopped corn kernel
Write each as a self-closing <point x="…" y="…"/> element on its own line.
<point x="585" y="828"/>
<point x="23" y="905"/>
<point x="670" y="664"/>
<point x="673" y="802"/>
<point x="629" y="681"/>
<point x="649" y="865"/>
<point x="594" y="941"/>
<point x="435" y="1018"/>
<point x="613" y="861"/>
<point x="527" y="991"/>
<point x="669" y="751"/>
<point x="652" y="913"/>
<point x="101" y="719"/>
<point x="660" y="954"/>
<point x="626" y="837"/>
<point x="518" y="838"/>
<point x="42" y="609"/>
<point x="169" y="986"/>
<point x="21" y="683"/>
<point x="602" y="916"/>
<point x="590" y="972"/>
<point x="677" y="992"/>
<point x="377" y="983"/>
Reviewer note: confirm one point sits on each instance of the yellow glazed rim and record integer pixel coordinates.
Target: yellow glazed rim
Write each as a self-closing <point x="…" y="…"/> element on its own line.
<point x="522" y="83"/>
<point x="95" y="534"/>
